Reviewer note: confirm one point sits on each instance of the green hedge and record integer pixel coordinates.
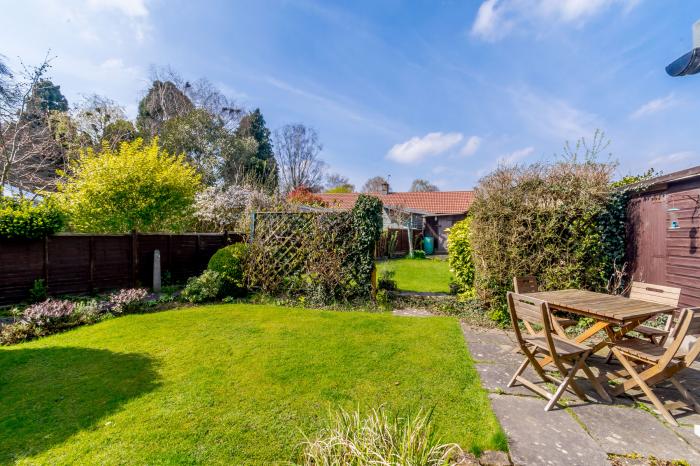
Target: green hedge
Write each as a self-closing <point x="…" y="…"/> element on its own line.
<point x="24" y="219"/>
<point x="230" y="262"/>
<point x="460" y="256"/>
<point x="562" y="222"/>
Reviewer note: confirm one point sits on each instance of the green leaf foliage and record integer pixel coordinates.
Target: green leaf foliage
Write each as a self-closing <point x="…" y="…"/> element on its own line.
<point x="460" y="255"/>
<point x="137" y="187"/>
<point x="561" y="222"/>
<point x="367" y="221"/>
<point x="208" y="286"/>
<point x="230" y="262"/>
<point x="24" y="219"/>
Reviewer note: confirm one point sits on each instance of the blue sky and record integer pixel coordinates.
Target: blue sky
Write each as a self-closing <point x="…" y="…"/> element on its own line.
<point x="444" y="90"/>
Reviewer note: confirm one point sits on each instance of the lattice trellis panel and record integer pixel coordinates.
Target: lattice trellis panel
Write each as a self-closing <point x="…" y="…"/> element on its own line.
<point x="298" y="251"/>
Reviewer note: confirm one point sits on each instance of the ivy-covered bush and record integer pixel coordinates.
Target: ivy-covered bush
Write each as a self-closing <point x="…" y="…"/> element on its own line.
<point x="367" y="223"/>
<point x="24" y="219"/>
<point x="560" y="222"/>
<point x="206" y="287"/>
<point x="460" y="256"/>
<point x="230" y="263"/>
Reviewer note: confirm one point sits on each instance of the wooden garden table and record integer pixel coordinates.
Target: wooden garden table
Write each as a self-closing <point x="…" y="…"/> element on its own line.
<point x="609" y="311"/>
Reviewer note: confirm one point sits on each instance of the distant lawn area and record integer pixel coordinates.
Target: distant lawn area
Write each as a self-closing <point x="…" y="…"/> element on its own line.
<point x="426" y="275"/>
<point x="230" y="384"/>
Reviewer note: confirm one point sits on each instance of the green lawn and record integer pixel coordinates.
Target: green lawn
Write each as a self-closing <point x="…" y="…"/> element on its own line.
<point x="428" y="275"/>
<point x="229" y="384"/>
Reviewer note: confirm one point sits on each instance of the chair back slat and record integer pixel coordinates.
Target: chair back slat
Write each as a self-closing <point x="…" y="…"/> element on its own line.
<point x="527" y="284"/>
<point x="530" y="311"/>
<point x="659" y="294"/>
<point x="527" y="309"/>
<point x="675" y="340"/>
<point x="692" y="338"/>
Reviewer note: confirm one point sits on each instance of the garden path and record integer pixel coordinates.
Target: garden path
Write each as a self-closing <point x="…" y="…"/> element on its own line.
<point x="583" y="433"/>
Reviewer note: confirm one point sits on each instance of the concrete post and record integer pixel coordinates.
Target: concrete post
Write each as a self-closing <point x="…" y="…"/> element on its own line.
<point x="156" y="271"/>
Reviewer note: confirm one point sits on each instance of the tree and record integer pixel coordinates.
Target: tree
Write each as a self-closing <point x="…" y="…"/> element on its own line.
<point x="117" y="132"/>
<point x="28" y="152"/>
<point x="297" y="150"/>
<point x="302" y="195"/>
<point x="376" y="184"/>
<point x="337" y="183"/>
<point x="95" y="113"/>
<point x="201" y="137"/>
<point x="203" y="94"/>
<point x="420" y="185"/>
<point x="262" y="165"/>
<point x="46" y="97"/>
<point x="5" y="80"/>
<point x="162" y="102"/>
<point x="139" y="186"/>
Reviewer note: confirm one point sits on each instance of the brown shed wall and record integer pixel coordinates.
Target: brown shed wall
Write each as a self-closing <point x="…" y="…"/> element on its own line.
<point x="660" y="254"/>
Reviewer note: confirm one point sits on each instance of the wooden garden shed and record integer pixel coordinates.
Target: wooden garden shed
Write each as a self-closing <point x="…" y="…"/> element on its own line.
<point x="664" y="233"/>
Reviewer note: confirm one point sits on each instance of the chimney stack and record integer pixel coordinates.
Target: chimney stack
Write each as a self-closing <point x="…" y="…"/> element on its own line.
<point x="384" y="188"/>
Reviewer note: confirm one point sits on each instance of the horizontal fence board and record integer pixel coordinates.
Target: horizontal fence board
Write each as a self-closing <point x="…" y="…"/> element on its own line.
<point x="84" y="263"/>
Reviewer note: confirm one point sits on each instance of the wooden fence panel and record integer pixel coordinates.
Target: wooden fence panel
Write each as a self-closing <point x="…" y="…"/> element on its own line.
<point x="74" y="263"/>
<point x="21" y="262"/>
<point x="68" y="264"/>
<point x="111" y="259"/>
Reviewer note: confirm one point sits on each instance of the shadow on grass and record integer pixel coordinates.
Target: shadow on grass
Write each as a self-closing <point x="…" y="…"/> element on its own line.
<point x="50" y="394"/>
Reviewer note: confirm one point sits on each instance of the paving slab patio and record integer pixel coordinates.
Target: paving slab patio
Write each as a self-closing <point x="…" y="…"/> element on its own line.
<point x="539" y="437"/>
<point x="584" y="433"/>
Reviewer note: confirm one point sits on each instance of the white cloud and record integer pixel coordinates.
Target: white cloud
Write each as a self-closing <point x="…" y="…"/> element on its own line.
<point x="417" y="148"/>
<point x="515" y="156"/>
<point x="490" y="23"/>
<point x="471" y="146"/>
<point x="654" y="106"/>
<point x="554" y="117"/>
<point x="496" y="18"/>
<point x="659" y="162"/>
<point x="132" y="8"/>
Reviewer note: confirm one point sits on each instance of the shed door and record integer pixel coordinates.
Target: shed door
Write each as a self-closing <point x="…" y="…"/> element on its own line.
<point x="648" y="222"/>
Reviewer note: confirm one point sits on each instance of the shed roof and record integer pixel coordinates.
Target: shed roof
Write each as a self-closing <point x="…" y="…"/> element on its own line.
<point x="659" y="182"/>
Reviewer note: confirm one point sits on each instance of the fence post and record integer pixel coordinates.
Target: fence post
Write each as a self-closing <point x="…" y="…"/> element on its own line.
<point x="134" y="258"/>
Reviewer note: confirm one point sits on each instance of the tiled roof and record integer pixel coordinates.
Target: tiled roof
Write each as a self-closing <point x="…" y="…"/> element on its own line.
<point x="438" y="202"/>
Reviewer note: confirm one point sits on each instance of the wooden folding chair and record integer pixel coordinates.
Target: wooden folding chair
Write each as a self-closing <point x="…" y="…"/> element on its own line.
<point x="528" y="284"/>
<point x="661" y="295"/>
<point x="562" y="351"/>
<point x="649" y="364"/>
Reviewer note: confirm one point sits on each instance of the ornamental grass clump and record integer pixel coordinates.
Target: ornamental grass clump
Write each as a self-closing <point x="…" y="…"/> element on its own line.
<point x="378" y="439"/>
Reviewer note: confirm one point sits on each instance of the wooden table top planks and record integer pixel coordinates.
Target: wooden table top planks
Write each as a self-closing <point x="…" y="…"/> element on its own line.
<point x="600" y="306"/>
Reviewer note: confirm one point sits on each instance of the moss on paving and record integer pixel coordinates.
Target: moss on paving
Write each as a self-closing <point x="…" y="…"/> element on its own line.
<point x="423" y="275"/>
<point x="229" y="384"/>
